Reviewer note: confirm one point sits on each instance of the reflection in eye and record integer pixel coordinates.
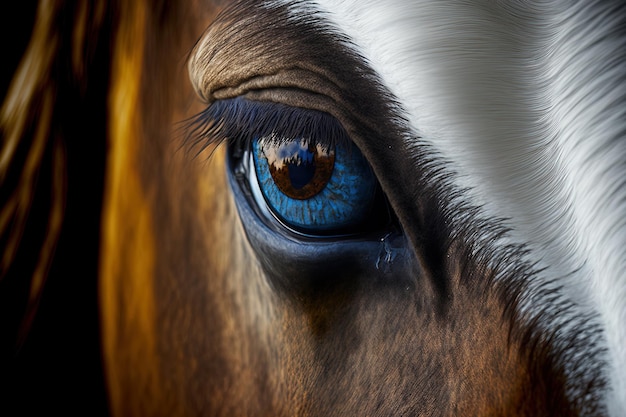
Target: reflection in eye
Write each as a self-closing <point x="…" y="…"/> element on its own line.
<point x="299" y="170"/>
<point x="313" y="188"/>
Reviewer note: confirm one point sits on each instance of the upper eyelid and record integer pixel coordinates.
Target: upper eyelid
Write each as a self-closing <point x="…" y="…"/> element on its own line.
<point x="237" y="48"/>
<point x="299" y="60"/>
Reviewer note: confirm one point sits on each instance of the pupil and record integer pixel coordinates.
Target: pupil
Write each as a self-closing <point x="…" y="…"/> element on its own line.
<point x="302" y="170"/>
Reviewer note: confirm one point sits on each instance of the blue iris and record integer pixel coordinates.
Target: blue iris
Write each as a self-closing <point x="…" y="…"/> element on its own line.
<point x="314" y="189"/>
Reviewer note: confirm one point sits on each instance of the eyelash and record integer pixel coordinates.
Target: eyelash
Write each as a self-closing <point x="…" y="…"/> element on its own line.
<point x="238" y="121"/>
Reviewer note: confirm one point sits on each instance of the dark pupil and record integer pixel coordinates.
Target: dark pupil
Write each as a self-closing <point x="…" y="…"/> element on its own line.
<point x="302" y="169"/>
<point x="299" y="171"/>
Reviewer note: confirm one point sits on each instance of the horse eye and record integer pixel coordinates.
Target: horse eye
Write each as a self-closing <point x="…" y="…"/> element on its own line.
<point x="312" y="188"/>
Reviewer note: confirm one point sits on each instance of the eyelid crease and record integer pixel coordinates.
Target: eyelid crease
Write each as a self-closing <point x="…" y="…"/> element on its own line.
<point x="312" y="80"/>
<point x="239" y="121"/>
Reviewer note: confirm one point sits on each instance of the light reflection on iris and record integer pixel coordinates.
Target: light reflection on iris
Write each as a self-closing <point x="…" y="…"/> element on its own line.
<point x="314" y="188"/>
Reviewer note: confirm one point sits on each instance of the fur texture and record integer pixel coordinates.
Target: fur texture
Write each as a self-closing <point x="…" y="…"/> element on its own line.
<point x="526" y="101"/>
<point x="468" y="112"/>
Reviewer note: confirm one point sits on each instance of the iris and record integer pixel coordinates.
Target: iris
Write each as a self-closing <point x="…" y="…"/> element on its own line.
<point x="314" y="188"/>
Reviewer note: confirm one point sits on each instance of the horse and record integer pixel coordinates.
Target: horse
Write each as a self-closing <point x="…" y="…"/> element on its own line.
<point x="315" y="208"/>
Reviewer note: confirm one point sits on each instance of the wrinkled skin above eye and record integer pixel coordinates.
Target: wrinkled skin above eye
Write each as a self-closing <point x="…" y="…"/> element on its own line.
<point x="314" y="188"/>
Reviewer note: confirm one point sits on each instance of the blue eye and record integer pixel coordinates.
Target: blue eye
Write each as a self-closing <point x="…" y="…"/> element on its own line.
<point x="297" y="166"/>
<point x="313" y="188"/>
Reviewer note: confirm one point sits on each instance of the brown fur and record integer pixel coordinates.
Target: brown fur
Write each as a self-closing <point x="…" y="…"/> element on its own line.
<point x="189" y="323"/>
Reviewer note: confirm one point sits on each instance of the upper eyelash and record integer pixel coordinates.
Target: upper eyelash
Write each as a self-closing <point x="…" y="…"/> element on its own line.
<point x="239" y="121"/>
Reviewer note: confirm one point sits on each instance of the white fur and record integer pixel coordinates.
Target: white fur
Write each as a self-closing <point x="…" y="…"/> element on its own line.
<point x="520" y="99"/>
